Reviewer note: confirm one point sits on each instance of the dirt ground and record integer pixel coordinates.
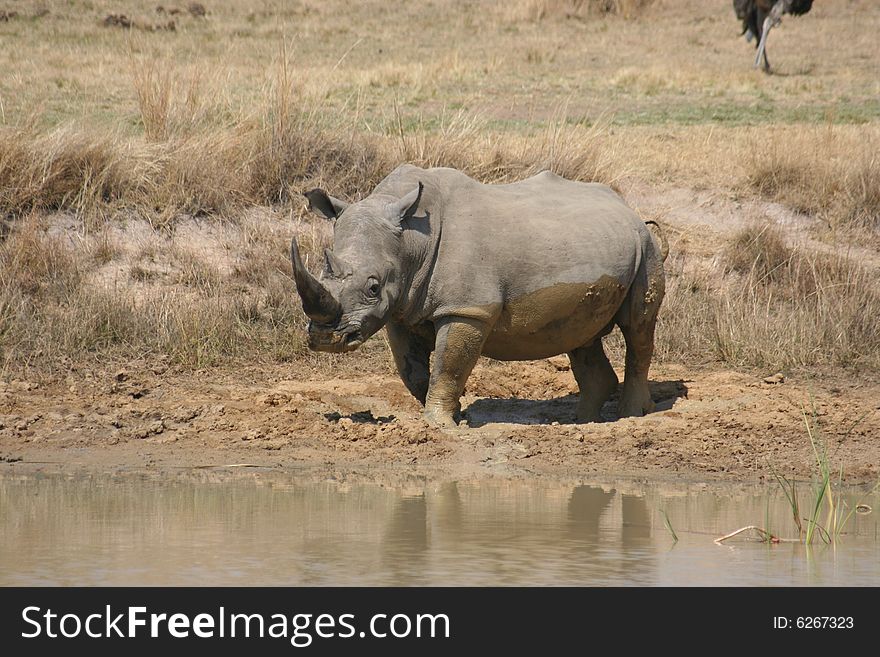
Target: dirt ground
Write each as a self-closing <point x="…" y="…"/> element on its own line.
<point x="714" y="424"/>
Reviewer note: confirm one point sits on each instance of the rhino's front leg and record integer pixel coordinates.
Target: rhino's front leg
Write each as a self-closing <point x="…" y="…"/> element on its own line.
<point x="412" y="355"/>
<point x="458" y="345"/>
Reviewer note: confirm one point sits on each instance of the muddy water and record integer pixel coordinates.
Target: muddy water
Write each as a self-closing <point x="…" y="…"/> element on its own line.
<point x="265" y="527"/>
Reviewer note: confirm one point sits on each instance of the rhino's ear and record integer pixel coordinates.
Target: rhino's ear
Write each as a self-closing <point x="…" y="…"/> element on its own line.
<point x="406" y="207"/>
<point x="323" y="204"/>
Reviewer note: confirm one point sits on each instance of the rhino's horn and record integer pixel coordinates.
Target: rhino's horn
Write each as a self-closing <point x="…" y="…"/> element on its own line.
<point x="317" y="301"/>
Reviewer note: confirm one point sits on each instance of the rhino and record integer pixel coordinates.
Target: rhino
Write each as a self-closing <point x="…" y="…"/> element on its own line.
<point x="518" y="271"/>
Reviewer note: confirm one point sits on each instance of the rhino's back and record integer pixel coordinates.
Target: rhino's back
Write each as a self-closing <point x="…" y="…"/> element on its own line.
<point x="549" y="260"/>
<point x="520" y="238"/>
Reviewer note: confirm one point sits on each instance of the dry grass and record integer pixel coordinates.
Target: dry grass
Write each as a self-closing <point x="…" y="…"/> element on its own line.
<point x="759" y="251"/>
<point x="821" y="172"/>
<point x="684" y="327"/>
<point x="820" y="313"/>
<point x="266" y="158"/>
<point x="577" y="152"/>
<point x="251" y="103"/>
<point x="542" y="9"/>
<point x="772" y="306"/>
<point x="52" y="310"/>
<point x="248" y="106"/>
<point x="198" y="174"/>
<point x="184" y="169"/>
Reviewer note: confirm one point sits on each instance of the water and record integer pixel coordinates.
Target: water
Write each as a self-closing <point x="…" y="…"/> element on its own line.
<point x="269" y="528"/>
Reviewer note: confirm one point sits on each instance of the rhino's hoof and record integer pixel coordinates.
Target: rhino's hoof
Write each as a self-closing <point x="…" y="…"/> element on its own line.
<point x="439" y="418"/>
<point x="636" y="408"/>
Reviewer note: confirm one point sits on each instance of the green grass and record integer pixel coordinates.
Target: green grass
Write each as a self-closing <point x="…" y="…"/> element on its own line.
<point x="828" y="513"/>
<point x="825" y="514"/>
<point x="764" y="112"/>
<point x="668" y="526"/>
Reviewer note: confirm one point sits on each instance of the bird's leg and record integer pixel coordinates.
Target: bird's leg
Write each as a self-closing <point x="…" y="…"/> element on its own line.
<point x="762" y="45"/>
<point x="773" y="19"/>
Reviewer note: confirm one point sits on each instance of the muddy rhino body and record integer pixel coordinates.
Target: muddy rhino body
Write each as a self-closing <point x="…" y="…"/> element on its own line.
<point x="518" y="271"/>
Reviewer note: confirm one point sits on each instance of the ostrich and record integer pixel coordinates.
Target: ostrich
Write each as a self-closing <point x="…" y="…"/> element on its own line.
<point x="760" y="16"/>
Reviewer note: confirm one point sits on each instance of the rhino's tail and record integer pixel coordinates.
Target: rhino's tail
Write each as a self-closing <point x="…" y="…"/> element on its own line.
<point x="664" y="245"/>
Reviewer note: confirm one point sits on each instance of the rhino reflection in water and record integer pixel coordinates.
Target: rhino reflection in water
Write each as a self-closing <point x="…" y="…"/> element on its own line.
<point x="519" y="271"/>
<point x="506" y="532"/>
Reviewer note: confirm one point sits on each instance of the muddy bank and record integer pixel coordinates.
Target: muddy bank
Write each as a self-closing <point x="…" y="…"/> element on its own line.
<point x="355" y="413"/>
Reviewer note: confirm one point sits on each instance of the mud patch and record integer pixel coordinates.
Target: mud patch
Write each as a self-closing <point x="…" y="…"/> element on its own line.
<point x="519" y="419"/>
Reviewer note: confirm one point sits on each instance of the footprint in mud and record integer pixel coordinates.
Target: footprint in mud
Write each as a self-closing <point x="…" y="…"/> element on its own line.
<point x="361" y="417"/>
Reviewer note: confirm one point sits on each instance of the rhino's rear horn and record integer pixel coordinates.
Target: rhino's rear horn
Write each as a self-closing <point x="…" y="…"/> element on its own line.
<point x="317" y="301"/>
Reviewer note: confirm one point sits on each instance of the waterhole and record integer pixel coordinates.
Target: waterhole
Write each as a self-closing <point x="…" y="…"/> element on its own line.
<point x="265" y="527"/>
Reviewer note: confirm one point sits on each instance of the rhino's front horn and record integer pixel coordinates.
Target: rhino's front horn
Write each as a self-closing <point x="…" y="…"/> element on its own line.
<point x="317" y="301"/>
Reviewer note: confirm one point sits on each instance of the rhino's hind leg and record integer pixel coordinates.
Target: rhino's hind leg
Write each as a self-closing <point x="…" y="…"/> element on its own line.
<point x="636" y="319"/>
<point x="595" y="378"/>
<point x="412" y="355"/>
<point x="635" y="399"/>
<point x="457" y="348"/>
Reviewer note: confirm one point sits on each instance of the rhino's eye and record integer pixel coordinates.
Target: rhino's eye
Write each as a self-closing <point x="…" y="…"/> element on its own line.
<point x="373" y="288"/>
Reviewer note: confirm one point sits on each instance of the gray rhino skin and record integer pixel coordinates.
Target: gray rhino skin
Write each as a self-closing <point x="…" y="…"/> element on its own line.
<point x="519" y="271"/>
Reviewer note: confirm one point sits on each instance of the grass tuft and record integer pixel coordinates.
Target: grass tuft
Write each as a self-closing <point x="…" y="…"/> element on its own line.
<point x="537" y="10"/>
<point x="821" y="172"/>
<point x="759" y="251"/>
<point x="829" y="513"/>
<point x="668" y="526"/>
<point x="54" y="307"/>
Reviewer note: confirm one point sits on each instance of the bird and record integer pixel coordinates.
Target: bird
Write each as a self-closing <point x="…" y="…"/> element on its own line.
<point x="760" y="16"/>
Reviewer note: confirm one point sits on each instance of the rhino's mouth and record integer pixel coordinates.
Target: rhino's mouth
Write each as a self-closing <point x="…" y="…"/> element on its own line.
<point x="334" y="339"/>
<point x="352" y="341"/>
